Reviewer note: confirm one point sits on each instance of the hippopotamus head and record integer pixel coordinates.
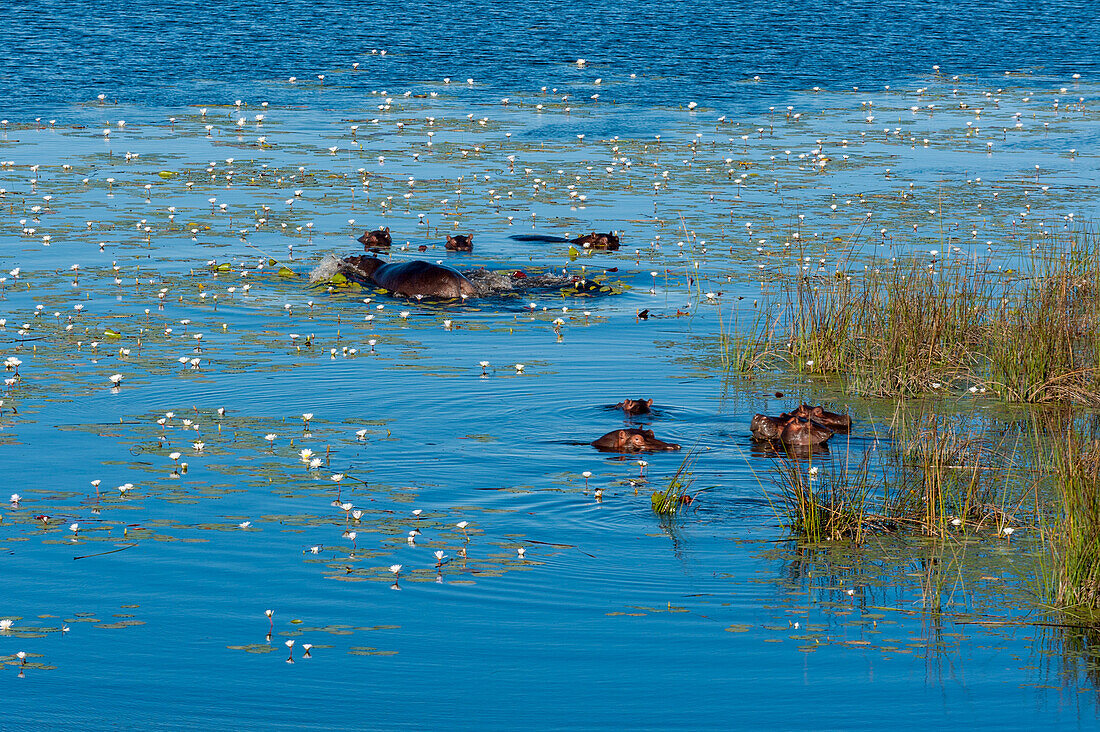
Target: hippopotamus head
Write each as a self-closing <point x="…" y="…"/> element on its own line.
<point x="378" y="239"/>
<point x="802" y="432"/>
<point x="632" y="440"/>
<point x="460" y="243"/>
<point x="366" y="265"/>
<point x="596" y="240"/>
<point x="635" y="406"/>
<point x="836" y="422"/>
<point x="768" y="428"/>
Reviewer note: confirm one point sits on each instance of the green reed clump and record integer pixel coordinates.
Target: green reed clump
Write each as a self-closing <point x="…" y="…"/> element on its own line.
<point x="906" y="329"/>
<point x="1073" y="538"/>
<point x="938" y="476"/>
<point x="896" y="332"/>
<point x="746" y="352"/>
<point x="822" y="318"/>
<point x="1046" y="347"/>
<point x="923" y="327"/>
<point x="945" y="473"/>
<point x="827" y="505"/>
<point x="676" y="494"/>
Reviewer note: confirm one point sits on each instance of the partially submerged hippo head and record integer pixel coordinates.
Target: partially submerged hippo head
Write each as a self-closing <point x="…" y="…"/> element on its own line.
<point x="378" y="239"/>
<point x="767" y="428"/>
<point x="635" y="406"/>
<point x="632" y="440"/>
<point x="460" y="243"/>
<point x="802" y="432"/>
<point x="365" y="264"/>
<point x="596" y="240"/>
<point x="835" y="422"/>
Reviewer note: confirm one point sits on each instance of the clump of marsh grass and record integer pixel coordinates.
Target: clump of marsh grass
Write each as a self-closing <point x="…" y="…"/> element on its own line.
<point x="948" y="474"/>
<point x="898" y="332"/>
<point x="746" y="352"/>
<point x="904" y="329"/>
<point x="1047" y="347"/>
<point x="676" y="494"/>
<point x="938" y="476"/>
<point x="1072" y="538"/>
<point x="829" y="505"/>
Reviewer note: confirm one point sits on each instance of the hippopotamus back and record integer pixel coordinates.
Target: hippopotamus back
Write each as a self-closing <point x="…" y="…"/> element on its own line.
<point x="422" y="278"/>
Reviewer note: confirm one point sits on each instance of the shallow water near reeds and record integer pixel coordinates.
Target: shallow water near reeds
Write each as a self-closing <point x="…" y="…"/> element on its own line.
<point x="165" y="233"/>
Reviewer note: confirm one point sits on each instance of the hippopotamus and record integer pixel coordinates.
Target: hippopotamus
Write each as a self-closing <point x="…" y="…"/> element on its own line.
<point x="378" y="239"/>
<point x="632" y="440"/>
<point x="835" y="422"/>
<point x="460" y="243"/>
<point x="802" y="432"/>
<point x="594" y="240"/>
<point x="765" y="428"/>
<point x="413" y="278"/>
<point x="635" y="406"/>
<point x="790" y="429"/>
<point x="597" y="241"/>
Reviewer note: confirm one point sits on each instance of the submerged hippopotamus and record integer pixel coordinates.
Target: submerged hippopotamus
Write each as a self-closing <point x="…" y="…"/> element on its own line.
<point x="460" y="243"/>
<point x="835" y="422"/>
<point x="789" y="429"/>
<point x="413" y="278"/>
<point x="802" y="432"/>
<point x="765" y="428"/>
<point x="632" y="440"/>
<point x="597" y="241"/>
<point x="378" y="239"/>
<point x="635" y="406"/>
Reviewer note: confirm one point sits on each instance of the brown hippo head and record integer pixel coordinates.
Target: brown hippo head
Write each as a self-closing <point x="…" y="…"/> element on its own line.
<point x="460" y="243"/>
<point x="835" y="422"/>
<point x="366" y="265"/>
<point x="635" y="406"/>
<point x="632" y="440"/>
<point x="768" y="428"/>
<point x="802" y="432"/>
<point x="598" y="241"/>
<point x="378" y="239"/>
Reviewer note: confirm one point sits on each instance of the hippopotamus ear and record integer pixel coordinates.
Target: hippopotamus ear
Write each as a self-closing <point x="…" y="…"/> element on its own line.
<point x="450" y="239"/>
<point x="470" y="238"/>
<point x="649" y="403"/>
<point x="386" y="229"/>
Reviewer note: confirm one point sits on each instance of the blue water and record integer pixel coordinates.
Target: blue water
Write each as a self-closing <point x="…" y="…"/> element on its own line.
<point x="171" y="53"/>
<point x="612" y="617"/>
